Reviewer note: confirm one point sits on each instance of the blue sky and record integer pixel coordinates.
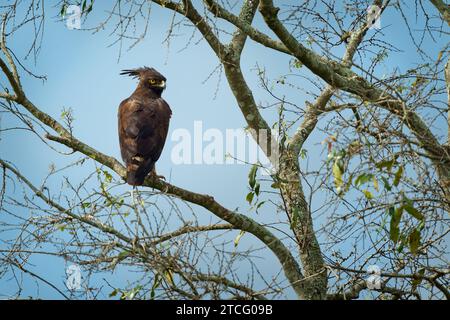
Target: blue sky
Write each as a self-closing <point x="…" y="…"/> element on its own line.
<point x="83" y="74"/>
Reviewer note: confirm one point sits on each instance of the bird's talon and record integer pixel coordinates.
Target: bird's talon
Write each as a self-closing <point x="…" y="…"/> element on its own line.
<point x="156" y="177"/>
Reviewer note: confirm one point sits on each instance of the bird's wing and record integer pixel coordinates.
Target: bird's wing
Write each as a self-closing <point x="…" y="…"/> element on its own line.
<point x="143" y="128"/>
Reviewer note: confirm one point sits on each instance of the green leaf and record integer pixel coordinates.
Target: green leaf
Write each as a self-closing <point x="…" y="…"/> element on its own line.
<point x="281" y="80"/>
<point x="297" y="64"/>
<point x="398" y="176"/>
<point x="260" y="204"/>
<point x="249" y="197"/>
<point x="238" y="238"/>
<point x="123" y="255"/>
<point x="414" y="241"/>
<point x="257" y="187"/>
<point x="396" y="216"/>
<point x="303" y="153"/>
<point x="363" y="178"/>
<point x="168" y="274"/>
<point x="61" y="227"/>
<point x="413" y="211"/>
<point x="375" y="183"/>
<point x="337" y="174"/>
<point x="348" y="184"/>
<point x="402" y="242"/>
<point x="63" y="10"/>
<point x="387" y="186"/>
<point x="86" y="205"/>
<point x="132" y="293"/>
<point x="275" y="185"/>
<point x="108" y="176"/>
<point x="252" y="176"/>
<point x="113" y="293"/>
<point x="91" y="5"/>
<point x="368" y="194"/>
<point x="388" y="164"/>
<point x="156" y="283"/>
<point x="440" y="54"/>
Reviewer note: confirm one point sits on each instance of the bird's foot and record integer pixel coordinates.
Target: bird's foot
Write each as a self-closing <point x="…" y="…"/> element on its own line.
<point x="154" y="176"/>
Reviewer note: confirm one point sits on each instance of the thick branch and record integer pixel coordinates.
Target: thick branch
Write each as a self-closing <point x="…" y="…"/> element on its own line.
<point x="247" y="13"/>
<point x="10" y="70"/>
<point x="246" y="27"/>
<point x="443" y="8"/>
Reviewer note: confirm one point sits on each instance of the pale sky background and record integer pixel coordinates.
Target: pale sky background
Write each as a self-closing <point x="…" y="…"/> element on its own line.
<point x="83" y="74"/>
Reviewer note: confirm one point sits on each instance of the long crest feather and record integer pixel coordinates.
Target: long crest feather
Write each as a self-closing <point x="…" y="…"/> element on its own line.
<point x="135" y="73"/>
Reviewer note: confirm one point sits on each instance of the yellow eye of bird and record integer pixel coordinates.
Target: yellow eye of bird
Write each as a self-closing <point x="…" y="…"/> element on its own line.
<point x="152" y="81"/>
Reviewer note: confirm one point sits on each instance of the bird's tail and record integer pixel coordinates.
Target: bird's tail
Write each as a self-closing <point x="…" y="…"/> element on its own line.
<point x="136" y="173"/>
<point x="134" y="179"/>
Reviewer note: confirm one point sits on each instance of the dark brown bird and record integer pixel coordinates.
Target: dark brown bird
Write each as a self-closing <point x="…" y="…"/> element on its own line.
<point x="143" y="124"/>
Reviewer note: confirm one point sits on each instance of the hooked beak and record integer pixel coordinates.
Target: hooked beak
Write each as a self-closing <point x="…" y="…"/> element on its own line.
<point x="162" y="84"/>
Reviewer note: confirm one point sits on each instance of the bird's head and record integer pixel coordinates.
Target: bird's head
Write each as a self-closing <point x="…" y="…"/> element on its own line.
<point x="148" y="78"/>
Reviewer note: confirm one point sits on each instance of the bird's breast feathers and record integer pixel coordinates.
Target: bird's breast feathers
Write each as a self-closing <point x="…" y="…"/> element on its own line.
<point x="150" y="107"/>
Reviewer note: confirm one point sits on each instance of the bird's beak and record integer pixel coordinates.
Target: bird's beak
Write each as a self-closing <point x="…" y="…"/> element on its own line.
<point x="162" y="84"/>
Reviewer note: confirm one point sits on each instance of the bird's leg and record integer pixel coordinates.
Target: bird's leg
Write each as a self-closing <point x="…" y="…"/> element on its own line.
<point x="154" y="176"/>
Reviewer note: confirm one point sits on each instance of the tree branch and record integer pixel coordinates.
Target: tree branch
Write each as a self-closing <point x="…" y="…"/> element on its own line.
<point x="189" y="11"/>
<point x="112" y="231"/>
<point x="314" y="110"/>
<point x="247" y="13"/>
<point x="447" y="82"/>
<point x="190" y="229"/>
<point x="31" y="273"/>
<point x="61" y="209"/>
<point x="240" y="221"/>
<point x="341" y="77"/>
<point x="228" y="283"/>
<point x="443" y="8"/>
<point x="11" y="74"/>
<point x="358" y="287"/>
<point x="253" y="33"/>
<point x="353" y="293"/>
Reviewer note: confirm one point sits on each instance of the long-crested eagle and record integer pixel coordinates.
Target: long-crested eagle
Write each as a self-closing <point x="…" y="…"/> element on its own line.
<point x="143" y="124"/>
